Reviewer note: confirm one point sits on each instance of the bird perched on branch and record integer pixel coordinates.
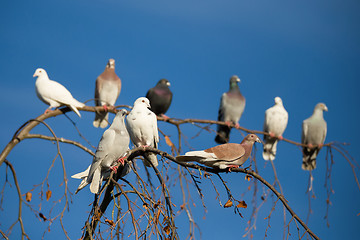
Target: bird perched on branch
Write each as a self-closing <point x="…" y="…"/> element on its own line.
<point x="313" y="133"/>
<point x="232" y="105"/>
<point x="223" y="156"/>
<point x="53" y="93"/>
<point x="107" y="90"/>
<point x="142" y="126"/>
<point x="160" y="97"/>
<point x="112" y="147"/>
<point x="276" y="119"/>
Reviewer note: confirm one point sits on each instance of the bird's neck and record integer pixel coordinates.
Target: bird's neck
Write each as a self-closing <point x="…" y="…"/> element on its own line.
<point x="318" y="113"/>
<point x="234" y="88"/>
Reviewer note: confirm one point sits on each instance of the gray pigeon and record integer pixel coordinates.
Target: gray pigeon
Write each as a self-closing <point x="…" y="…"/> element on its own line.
<point x="313" y="133"/>
<point x="160" y="97"/>
<point x="107" y="90"/>
<point x="53" y="93"/>
<point x="276" y="119"/>
<point x="223" y="156"/>
<point x="113" y="145"/>
<point x="232" y="105"/>
<point x="142" y="126"/>
<point x="105" y="174"/>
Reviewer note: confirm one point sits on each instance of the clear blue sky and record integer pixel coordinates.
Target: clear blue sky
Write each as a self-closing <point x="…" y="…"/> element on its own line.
<point x="303" y="51"/>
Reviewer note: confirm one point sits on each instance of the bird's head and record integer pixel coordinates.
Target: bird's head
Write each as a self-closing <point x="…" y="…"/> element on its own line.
<point x="164" y="82"/>
<point x="278" y="100"/>
<point x="252" y="138"/>
<point x="111" y="63"/>
<point x="39" y="72"/>
<point x="321" y="106"/>
<point x="142" y="101"/>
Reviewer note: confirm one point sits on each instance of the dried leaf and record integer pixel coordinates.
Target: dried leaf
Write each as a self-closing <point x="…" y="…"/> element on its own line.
<point x="182" y="206"/>
<point x="42" y="216"/>
<point x="110" y="222"/>
<point x="48" y="195"/>
<point x="248" y="177"/>
<point x="28" y="196"/>
<point x="167" y="229"/>
<point x="168" y="141"/>
<point x="242" y="204"/>
<point x="146" y="206"/>
<point x="228" y="204"/>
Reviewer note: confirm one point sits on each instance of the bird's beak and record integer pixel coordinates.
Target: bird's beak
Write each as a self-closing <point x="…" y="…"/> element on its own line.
<point x="238" y="79"/>
<point x="34" y="75"/>
<point x="325" y="108"/>
<point x="168" y="84"/>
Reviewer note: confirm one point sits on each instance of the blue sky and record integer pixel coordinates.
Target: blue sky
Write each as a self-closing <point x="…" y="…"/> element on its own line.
<point x="303" y="51"/>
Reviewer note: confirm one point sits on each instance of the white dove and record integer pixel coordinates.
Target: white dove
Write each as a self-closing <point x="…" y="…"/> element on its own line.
<point x="276" y="119"/>
<point x="142" y="126"/>
<point x="53" y="93"/>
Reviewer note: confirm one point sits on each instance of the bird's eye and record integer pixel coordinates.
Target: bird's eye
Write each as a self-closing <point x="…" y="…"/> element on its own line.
<point x="143" y="100"/>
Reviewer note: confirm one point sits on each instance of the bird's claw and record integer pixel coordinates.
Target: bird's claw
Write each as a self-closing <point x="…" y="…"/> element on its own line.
<point x="114" y="168"/>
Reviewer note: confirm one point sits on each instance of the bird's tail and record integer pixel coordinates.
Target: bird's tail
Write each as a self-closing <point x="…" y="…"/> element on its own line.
<point x="222" y="134"/>
<point x="75" y="110"/>
<point x="152" y="157"/>
<point x="95" y="181"/>
<point x="82" y="175"/>
<point x="309" y="158"/>
<point x="101" y="119"/>
<point x="269" y="151"/>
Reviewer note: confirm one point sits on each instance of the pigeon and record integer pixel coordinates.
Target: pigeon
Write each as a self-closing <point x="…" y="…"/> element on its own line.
<point x="232" y="105"/>
<point x="276" y="119"/>
<point x="223" y="156"/>
<point x="160" y="97"/>
<point x="313" y="133"/>
<point x="125" y="169"/>
<point x="107" y="90"/>
<point x="53" y="93"/>
<point x="113" y="146"/>
<point x="142" y="126"/>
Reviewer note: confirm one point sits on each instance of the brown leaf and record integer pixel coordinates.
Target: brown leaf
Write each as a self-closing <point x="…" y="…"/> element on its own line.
<point x="167" y="229"/>
<point x="157" y="204"/>
<point x="48" y="195"/>
<point x="28" y="196"/>
<point x="110" y="222"/>
<point x="248" y="177"/>
<point x="146" y="206"/>
<point x="228" y="204"/>
<point x="168" y="141"/>
<point x="42" y="216"/>
<point x="242" y="204"/>
<point x="182" y="206"/>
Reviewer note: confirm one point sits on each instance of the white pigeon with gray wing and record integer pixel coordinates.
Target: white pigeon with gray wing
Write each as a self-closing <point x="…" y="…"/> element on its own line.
<point x="276" y="119"/>
<point x="232" y="105"/>
<point x="53" y="93"/>
<point x="314" y="131"/>
<point x="142" y="126"/>
<point x="113" y="145"/>
<point x="107" y="90"/>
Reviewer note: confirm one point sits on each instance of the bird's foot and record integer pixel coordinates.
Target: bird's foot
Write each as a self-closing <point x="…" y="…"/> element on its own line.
<point x="47" y="111"/>
<point x="310" y="145"/>
<point x="166" y="118"/>
<point x="114" y="168"/>
<point x="145" y="146"/>
<point x="232" y="166"/>
<point x="280" y="137"/>
<point x="272" y="134"/>
<point x="228" y="123"/>
<point x="106" y="108"/>
<point x="121" y="160"/>
<point x="237" y="125"/>
<point x="320" y="145"/>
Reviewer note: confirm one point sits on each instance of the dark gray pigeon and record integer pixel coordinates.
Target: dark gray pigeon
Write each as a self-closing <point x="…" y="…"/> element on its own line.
<point x="107" y="90"/>
<point x="113" y="145"/>
<point x="232" y="105"/>
<point x="160" y="97"/>
<point x="313" y="133"/>
<point x="276" y="119"/>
